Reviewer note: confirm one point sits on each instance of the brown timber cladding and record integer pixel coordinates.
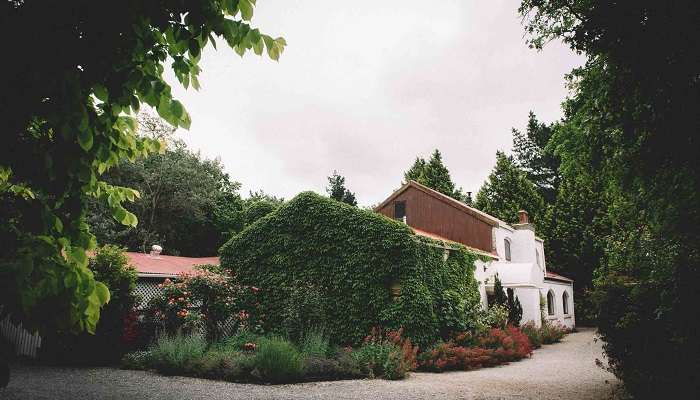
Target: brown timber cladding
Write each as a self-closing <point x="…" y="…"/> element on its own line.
<point x="433" y="215"/>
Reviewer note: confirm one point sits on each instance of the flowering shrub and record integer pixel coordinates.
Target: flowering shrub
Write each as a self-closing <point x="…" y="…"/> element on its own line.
<point x="510" y="344"/>
<point x="546" y="334"/>
<point x="497" y="347"/>
<point x="385" y="353"/>
<point x="202" y="301"/>
<point x="448" y="356"/>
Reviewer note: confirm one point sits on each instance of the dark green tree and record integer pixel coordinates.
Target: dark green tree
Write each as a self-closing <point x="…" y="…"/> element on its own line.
<point x="535" y="158"/>
<point x="435" y="175"/>
<point x="188" y="204"/>
<point x="336" y="189"/>
<point x="499" y="295"/>
<point x="414" y="173"/>
<point x="515" y="309"/>
<point x="507" y="190"/>
<point x="68" y="98"/>
<point x="632" y="126"/>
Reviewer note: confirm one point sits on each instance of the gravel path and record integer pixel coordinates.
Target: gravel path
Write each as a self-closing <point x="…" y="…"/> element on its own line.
<point x="561" y="371"/>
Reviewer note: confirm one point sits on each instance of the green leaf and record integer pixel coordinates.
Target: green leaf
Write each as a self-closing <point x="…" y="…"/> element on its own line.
<point x="78" y="254"/>
<point x="71" y="279"/>
<point x="177" y="109"/>
<point x="85" y="139"/>
<point x="194" y="48"/>
<point x="100" y="92"/>
<point x="57" y="224"/>
<point x="102" y="292"/>
<point x="246" y="9"/>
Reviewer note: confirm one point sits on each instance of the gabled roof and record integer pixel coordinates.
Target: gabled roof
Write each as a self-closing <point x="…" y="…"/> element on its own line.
<point x="482" y="216"/>
<point x="431" y="235"/>
<point x="557" y="277"/>
<point x="161" y="266"/>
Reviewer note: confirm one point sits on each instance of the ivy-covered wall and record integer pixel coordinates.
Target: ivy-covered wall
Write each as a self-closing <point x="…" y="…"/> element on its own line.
<point x="323" y="264"/>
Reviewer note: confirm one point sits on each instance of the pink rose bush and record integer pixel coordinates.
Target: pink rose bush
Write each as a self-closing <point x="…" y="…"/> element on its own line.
<point x="203" y="301"/>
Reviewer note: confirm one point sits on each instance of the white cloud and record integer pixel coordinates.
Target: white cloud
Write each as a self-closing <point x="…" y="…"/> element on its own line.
<point x="366" y="86"/>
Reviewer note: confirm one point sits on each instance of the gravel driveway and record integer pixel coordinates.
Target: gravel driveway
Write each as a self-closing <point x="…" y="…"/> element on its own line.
<point x="565" y="370"/>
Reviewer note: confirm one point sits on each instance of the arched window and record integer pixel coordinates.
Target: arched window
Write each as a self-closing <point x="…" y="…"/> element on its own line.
<point x="507" y="244"/>
<point x="550" y="303"/>
<point x="565" y="303"/>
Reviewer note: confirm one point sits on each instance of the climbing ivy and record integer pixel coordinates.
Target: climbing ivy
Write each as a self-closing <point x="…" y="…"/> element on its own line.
<point x="324" y="264"/>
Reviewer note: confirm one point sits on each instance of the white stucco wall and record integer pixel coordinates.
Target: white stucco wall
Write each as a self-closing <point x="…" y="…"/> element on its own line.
<point x="559" y="317"/>
<point x="525" y="274"/>
<point x="530" y="301"/>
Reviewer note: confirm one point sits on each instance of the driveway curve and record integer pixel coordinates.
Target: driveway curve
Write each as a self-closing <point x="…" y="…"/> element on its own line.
<point x="566" y="370"/>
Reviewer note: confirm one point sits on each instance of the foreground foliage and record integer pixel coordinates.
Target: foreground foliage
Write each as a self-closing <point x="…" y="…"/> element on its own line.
<point x="112" y="337"/>
<point x="68" y="121"/>
<point x="629" y="151"/>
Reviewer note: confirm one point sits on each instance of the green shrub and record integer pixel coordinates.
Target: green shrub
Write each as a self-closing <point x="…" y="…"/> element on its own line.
<point x="340" y="367"/>
<point x="372" y="358"/>
<point x="138" y="360"/>
<point x="315" y="343"/>
<point x="239" y="340"/>
<point x="495" y="317"/>
<point x="278" y="361"/>
<point x="225" y="365"/>
<point x="534" y="334"/>
<point x="385" y="354"/>
<point x="551" y="333"/>
<point x="177" y="355"/>
<point x="319" y="262"/>
<point x="546" y="334"/>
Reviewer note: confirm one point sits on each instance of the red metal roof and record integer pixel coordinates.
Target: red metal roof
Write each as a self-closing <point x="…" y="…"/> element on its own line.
<point x="552" y="275"/>
<point x="166" y="266"/>
<point x="431" y="235"/>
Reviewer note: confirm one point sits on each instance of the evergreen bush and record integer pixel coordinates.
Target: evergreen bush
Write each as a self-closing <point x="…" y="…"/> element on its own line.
<point x="352" y="269"/>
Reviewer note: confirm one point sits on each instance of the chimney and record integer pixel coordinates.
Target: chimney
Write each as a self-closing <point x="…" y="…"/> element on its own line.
<point x="155" y="250"/>
<point x="523" y="217"/>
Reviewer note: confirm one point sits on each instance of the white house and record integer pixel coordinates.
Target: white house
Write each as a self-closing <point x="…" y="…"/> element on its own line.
<point x="514" y="252"/>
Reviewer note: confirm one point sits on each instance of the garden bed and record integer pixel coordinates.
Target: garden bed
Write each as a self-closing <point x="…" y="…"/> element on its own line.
<point x="249" y="358"/>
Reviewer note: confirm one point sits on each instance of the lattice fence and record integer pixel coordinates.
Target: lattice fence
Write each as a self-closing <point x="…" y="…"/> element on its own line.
<point x="146" y="289"/>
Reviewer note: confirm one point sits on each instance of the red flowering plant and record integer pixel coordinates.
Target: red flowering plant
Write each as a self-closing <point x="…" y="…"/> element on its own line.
<point x="207" y="300"/>
<point x="469" y="351"/>
<point x="510" y="344"/>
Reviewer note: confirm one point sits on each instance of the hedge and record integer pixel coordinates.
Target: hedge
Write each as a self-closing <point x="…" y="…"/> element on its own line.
<point x="323" y="264"/>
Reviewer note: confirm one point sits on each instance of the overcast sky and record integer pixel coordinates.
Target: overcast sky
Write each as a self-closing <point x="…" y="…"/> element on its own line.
<point x="366" y="86"/>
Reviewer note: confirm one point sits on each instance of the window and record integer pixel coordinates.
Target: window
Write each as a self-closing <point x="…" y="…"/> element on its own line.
<point x="550" y="303"/>
<point x="565" y="303"/>
<point x="537" y="257"/>
<point x="399" y="209"/>
<point x="507" y="243"/>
